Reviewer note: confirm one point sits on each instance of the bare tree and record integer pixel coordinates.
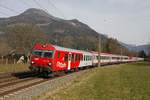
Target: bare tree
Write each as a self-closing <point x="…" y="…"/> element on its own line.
<point x="24" y="36"/>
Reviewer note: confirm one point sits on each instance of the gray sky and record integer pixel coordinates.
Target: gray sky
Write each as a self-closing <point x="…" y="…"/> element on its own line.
<point x="126" y="20"/>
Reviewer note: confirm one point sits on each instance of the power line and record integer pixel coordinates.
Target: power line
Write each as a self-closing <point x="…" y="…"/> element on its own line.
<point x="25" y="3"/>
<point x="49" y="1"/>
<point x="4" y="13"/>
<point x="40" y="6"/>
<point x="8" y="8"/>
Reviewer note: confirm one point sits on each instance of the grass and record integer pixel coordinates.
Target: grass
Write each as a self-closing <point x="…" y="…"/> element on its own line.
<point x="12" y="67"/>
<point x="118" y="82"/>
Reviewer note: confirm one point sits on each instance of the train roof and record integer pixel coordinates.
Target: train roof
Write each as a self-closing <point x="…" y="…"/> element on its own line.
<point x="69" y="49"/>
<point x="55" y="47"/>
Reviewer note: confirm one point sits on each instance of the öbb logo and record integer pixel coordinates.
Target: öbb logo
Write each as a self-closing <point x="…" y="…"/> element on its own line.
<point x="62" y="65"/>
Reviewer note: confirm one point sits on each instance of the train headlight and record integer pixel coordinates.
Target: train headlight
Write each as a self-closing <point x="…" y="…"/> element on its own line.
<point x="32" y="62"/>
<point x="49" y="64"/>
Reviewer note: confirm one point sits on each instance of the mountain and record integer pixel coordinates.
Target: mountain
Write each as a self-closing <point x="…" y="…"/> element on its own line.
<point x="67" y="33"/>
<point x="145" y="48"/>
<point x="44" y="20"/>
<point x="58" y="31"/>
<point x="129" y="46"/>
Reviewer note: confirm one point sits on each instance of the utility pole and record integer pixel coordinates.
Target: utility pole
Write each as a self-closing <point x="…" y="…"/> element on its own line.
<point x="56" y="39"/>
<point x="121" y="52"/>
<point x="99" y="50"/>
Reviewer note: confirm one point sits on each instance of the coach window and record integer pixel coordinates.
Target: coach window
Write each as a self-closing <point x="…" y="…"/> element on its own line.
<point x="72" y="58"/>
<point x="76" y="58"/>
<point x="81" y="57"/>
<point x="97" y="57"/>
<point x="66" y="57"/>
<point x="86" y="58"/>
<point x="90" y="57"/>
<point x="58" y="54"/>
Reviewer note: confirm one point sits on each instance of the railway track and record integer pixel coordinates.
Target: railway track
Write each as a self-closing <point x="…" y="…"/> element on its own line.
<point x="21" y="80"/>
<point x="11" y="82"/>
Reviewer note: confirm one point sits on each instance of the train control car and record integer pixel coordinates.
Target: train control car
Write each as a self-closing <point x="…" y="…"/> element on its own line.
<point x="49" y="58"/>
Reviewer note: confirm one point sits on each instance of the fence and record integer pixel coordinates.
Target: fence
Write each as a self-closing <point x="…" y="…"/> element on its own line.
<point x="9" y="60"/>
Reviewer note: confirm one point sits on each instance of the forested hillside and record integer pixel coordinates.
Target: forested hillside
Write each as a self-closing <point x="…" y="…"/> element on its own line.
<point x="35" y="25"/>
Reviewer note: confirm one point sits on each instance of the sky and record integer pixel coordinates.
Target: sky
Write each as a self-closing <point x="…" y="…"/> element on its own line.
<point x="126" y="20"/>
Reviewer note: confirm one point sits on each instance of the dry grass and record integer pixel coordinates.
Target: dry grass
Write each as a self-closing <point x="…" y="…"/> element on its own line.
<point x="13" y="67"/>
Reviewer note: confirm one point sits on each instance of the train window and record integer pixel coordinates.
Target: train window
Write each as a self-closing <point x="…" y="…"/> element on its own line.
<point x="43" y="53"/>
<point x="84" y="58"/>
<point x="72" y="58"/>
<point x="97" y="57"/>
<point x="47" y="54"/>
<point x="58" y="55"/>
<point x="66" y="57"/>
<point x="69" y="57"/>
<point x="104" y="58"/>
<point x="37" y="52"/>
<point x="76" y="57"/>
<point x="81" y="57"/>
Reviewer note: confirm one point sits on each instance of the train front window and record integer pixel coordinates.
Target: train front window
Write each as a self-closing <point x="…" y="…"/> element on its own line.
<point x="43" y="53"/>
<point x="37" y="53"/>
<point x="48" y="54"/>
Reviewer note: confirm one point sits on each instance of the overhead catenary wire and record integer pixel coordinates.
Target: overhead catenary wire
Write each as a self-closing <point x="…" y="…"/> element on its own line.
<point x="5" y="14"/>
<point x="49" y="1"/>
<point x="25" y="3"/>
<point x="10" y="9"/>
<point x="37" y="3"/>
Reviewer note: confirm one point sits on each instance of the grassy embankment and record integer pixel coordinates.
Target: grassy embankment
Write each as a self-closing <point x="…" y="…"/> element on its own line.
<point x="118" y="82"/>
<point x="12" y="67"/>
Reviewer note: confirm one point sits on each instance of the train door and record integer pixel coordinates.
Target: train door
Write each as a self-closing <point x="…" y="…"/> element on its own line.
<point x="69" y="61"/>
<point x="72" y="60"/>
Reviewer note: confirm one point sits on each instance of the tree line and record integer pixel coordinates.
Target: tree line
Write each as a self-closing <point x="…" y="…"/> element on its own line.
<point x="21" y="38"/>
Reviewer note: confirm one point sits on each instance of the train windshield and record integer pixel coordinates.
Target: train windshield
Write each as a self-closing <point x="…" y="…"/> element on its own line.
<point x="43" y="53"/>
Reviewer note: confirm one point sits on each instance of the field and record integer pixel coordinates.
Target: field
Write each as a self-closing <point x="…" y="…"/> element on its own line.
<point x="116" y="82"/>
<point x="12" y="67"/>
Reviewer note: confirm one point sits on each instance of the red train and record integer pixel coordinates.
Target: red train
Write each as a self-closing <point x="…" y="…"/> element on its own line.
<point x="48" y="58"/>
